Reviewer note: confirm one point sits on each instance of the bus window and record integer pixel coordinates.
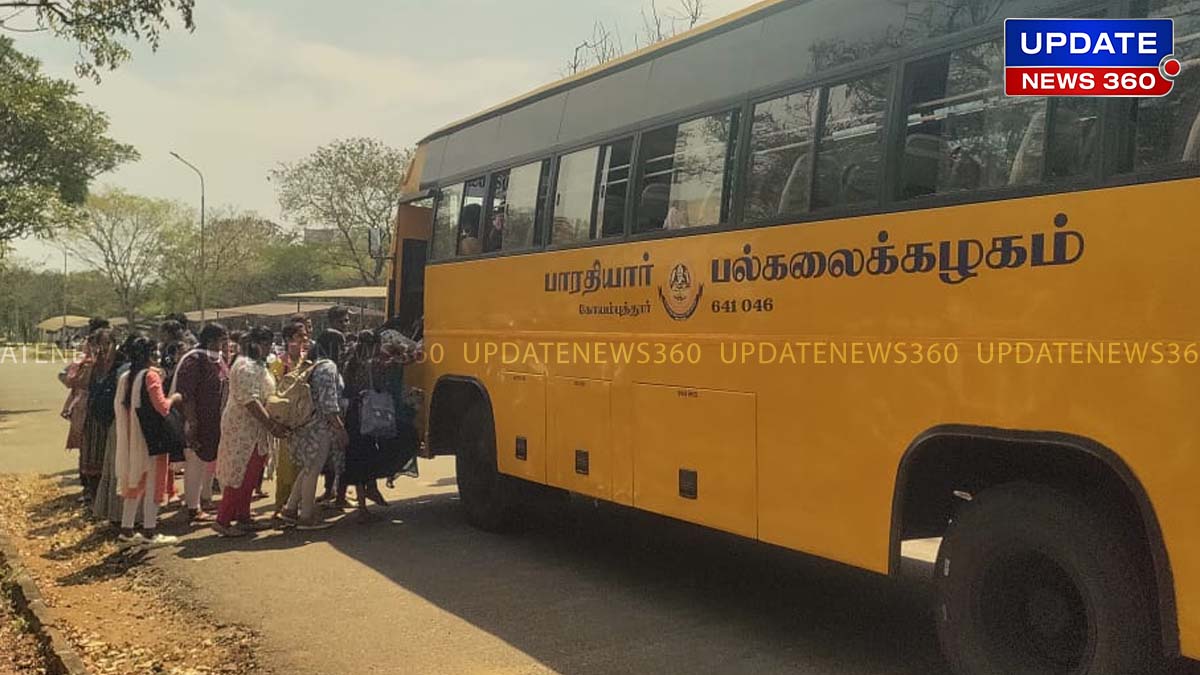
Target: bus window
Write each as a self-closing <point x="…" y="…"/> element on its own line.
<point x="614" y="187"/>
<point x="471" y="216"/>
<point x="963" y="132"/>
<point x="445" y="222"/>
<point x="494" y="223"/>
<point x="1074" y="133"/>
<point x="781" y="156"/>
<point x="683" y="170"/>
<point x="515" y="207"/>
<point x="1167" y="130"/>
<point x="850" y="149"/>
<point x="576" y="189"/>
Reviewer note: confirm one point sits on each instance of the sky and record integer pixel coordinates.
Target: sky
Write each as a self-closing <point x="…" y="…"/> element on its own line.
<point x="267" y="82"/>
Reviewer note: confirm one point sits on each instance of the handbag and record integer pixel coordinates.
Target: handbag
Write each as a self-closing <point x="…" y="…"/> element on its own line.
<point x="164" y="434"/>
<point x="292" y="402"/>
<point x="377" y="416"/>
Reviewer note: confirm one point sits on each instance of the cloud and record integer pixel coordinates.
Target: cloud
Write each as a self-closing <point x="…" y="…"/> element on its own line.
<point x="258" y="84"/>
<point x="244" y="95"/>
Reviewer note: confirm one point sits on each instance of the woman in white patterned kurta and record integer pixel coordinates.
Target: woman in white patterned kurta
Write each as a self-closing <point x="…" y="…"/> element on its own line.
<point x="324" y="433"/>
<point x="246" y="431"/>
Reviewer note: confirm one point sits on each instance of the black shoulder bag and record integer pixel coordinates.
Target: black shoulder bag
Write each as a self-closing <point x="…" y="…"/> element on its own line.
<point x="164" y="435"/>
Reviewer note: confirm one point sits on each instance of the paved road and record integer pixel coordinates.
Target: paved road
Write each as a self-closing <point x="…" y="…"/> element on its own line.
<point x="32" y="435"/>
<point x="584" y="590"/>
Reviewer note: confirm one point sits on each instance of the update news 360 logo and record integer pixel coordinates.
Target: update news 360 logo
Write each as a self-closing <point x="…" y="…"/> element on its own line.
<point x="1089" y="57"/>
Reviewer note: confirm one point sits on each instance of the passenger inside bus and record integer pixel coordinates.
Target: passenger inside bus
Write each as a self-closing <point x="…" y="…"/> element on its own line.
<point x="468" y="226"/>
<point x="1191" y="149"/>
<point x="652" y="211"/>
<point x="683" y="170"/>
<point x="493" y="232"/>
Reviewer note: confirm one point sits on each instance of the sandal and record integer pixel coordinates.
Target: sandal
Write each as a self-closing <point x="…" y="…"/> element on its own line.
<point x="253" y="526"/>
<point x="229" y="531"/>
<point x="309" y="525"/>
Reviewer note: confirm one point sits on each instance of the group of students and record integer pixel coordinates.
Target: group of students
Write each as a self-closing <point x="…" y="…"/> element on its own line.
<point x="222" y="406"/>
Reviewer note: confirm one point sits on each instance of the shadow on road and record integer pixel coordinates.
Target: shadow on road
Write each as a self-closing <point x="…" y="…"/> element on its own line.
<point x="606" y="589"/>
<point x="6" y="413"/>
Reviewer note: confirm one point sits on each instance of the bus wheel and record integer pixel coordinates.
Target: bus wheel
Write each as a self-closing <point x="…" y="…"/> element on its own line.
<point x="488" y="496"/>
<point x="1032" y="580"/>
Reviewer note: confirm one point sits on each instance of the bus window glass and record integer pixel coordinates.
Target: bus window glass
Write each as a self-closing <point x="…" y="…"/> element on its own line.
<point x="1167" y="129"/>
<point x="963" y="133"/>
<point x="614" y="187"/>
<point x="516" y="202"/>
<point x="850" y="150"/>
<point x="781" y="156"/>
<point x="470" y="219"/>
<point x="575" y="192"/>
<point x="493" y="224"/>
<point x="1074" y="133"/>
<point x="445" y="222"/>
<point x="683" y="170"/>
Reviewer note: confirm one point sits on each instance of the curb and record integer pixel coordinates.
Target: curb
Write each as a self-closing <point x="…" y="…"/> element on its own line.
<point x="27" y="601"/>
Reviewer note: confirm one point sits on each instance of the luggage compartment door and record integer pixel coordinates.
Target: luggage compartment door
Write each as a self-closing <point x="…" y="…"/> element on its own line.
<point x="580" y="457"/>
<point x="521" y="426"/>
<point x="695" y="456"/>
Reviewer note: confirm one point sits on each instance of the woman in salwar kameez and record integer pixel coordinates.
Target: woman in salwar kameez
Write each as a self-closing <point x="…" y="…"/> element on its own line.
<point x="312" y="443"/>
<point x="98" y="419"/>
<point x="246" y="435"/>
<point x="75" y="409"/>
<point x="108" y="502"/>
<point x="295" y="337"/>
<point x="140" y="464"/>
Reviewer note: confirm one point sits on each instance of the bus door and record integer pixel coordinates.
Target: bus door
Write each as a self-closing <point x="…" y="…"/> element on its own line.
<point x="406" y="284"/>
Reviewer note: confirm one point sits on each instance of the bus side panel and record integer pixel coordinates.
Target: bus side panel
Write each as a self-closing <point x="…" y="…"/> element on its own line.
<point x="829" y="433"/>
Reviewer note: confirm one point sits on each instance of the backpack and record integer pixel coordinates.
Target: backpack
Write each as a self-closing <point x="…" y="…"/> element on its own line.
<point x="292" y="402"/>
<point x="101" y="396"/>
<point x="377" y="416"/>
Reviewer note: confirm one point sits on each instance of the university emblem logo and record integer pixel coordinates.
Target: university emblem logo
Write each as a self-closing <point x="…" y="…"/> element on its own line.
<point x="682" y="295"/>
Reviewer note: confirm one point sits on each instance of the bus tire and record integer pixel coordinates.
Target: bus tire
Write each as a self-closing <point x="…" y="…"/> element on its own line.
<point x="1033" y="580"/>
<point x="489" y="497"/>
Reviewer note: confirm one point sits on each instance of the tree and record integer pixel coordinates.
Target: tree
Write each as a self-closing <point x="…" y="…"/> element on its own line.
<point x="286" y="266"/>
<point x="352" y="185"/>
<point x="98" y="26"/>
<point x="234" y="241"/>
<point x="658" y="26"/>
<point x="606" y="44"/>
<point x="122" y="238"/>
<point x="51" y="147"/>
<point x="29" y="295"/>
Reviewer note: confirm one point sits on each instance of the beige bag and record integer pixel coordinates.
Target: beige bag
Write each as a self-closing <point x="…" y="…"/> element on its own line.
<point x="292" y="403"/>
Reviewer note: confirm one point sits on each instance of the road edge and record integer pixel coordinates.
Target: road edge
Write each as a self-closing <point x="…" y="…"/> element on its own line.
<point x="27" y="601"/>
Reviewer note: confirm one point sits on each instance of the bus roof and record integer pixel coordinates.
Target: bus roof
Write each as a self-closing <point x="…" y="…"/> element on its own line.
<point x="616" y="64"/>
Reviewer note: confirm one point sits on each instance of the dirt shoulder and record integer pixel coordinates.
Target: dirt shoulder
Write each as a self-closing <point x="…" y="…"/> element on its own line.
<point x="122" y="614"/>
<point x="21" y="653"/>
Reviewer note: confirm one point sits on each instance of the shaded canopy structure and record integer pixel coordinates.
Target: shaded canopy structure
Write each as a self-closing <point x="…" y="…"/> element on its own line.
<point x="212" y="314"/>
<point x="274" y="309"/>
<point x="57" y="323"/>
<point x="355" y="293"/>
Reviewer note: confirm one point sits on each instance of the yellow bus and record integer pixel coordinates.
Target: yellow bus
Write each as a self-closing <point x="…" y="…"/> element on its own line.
<point x="806" y="275"/>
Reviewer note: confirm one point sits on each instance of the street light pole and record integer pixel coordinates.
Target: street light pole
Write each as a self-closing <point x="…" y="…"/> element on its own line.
<point x="202" y="265"/>
<point x="64" y="306"/>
